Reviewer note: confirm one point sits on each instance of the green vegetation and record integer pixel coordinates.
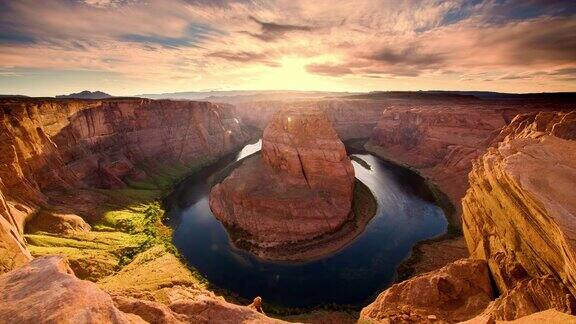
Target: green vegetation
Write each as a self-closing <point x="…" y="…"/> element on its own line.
<point x="162" y="178"/>
<point x="131" y="223"/>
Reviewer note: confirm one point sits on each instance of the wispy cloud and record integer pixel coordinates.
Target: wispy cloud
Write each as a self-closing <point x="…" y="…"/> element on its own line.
<point x="270" y="31"/>
<point x="361" y="45"/>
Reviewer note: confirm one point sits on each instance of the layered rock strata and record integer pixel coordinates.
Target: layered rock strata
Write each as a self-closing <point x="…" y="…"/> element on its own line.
<point x="438" y="142"/>
<point x="520" y="211"/>
<point x="439" y="139"/>
<point x="58" y="157"/>
<point x="51" y="149"/>
<point x="518" y="220"/>
<point x="299" y="189"/>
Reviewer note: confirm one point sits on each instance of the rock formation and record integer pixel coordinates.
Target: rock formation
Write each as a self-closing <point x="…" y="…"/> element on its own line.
<point x="519" y="213"/>
<point x="299" y="189"/>
<point x="518" y="216"/>
<point x="457" y="292"/>
<point x="52" y="148"/>
<point x="46" y="290"/>
<point x="440" y="139"/>
<point x="439" y="142"/>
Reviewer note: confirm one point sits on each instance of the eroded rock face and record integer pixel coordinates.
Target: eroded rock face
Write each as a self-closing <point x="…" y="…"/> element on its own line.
<point x="46" y="290"/>
<point x="438" y="141"/>
<point x="305" y="149"/>
<point x="531" y="296"/>
<point x="13" y="251"/>
<point x="299" y="189"/>
<point x="456" y="292"/>
<point x="550" y="316"/>
<point x="51" y="149"/>
<point x="519" y="213"/>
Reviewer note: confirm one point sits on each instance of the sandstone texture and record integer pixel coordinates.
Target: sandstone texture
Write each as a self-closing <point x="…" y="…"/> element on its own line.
<point x="550" y="316"/>
<point x="440" y="138"/>
<point x="46" y="290"/>
<point x="456" y="292"/>
<point x="78" y="178"/>
<point x="53" y="149"/>
<point x="520" y="214"/>
<point x="439" y="142"/>
<point x="299" y="189"/>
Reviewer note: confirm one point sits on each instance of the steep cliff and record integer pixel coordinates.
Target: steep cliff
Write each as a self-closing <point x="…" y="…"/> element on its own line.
<point x="437" y="141"/>
<point x="79" y="178"/>
<point x="519" y="216"/>
<point x="440" y="139"/>
<point x="52" y="150"/>
<point x="520" y="210"/>
<point x="299" y="189"/>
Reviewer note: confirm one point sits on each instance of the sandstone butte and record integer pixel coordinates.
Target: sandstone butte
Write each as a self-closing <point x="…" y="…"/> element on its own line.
<point x="298" y="190"/>
<point x="519" y="224"/>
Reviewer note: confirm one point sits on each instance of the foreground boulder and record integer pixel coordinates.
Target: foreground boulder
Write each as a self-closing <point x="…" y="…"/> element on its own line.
<point x="46" y="290"/>
<point x="299" y="189"/>
<point x="456" y="292"/>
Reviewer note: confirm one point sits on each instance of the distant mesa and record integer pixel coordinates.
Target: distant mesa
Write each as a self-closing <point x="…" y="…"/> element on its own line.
<point x="86" y="95"/>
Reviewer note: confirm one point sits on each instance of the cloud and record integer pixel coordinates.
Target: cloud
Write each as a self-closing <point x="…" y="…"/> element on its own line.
<point x="231" y="43"/>
<point x="270" y="32"/>
<point x="245" y="57"/>
<point x="329" y="69"/>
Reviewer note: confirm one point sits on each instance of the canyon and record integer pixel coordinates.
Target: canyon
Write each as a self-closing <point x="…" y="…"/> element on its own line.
<point x="77" y="178"/>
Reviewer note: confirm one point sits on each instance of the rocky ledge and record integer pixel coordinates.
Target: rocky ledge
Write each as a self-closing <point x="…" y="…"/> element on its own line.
<point x="520" y="210"/>
<point x="519" y="225"/>
<point x="299" y="190"/>
<point x="46" y="291"/>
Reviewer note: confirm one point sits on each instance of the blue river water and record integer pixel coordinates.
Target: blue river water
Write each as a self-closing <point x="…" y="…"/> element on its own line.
<point x="353" y="275"/>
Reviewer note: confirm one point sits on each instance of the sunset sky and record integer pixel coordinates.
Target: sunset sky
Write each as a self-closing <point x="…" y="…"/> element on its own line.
<point x="128" y="47"/>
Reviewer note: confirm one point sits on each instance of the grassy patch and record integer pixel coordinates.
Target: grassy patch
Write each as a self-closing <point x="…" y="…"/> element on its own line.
<point x="132" y="222"/>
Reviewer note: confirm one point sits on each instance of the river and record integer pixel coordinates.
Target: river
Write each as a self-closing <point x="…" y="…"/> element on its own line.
<point x="406" y="215"/>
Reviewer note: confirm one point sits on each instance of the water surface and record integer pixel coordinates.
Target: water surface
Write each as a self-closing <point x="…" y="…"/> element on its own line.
<point x="405" y="215"/>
